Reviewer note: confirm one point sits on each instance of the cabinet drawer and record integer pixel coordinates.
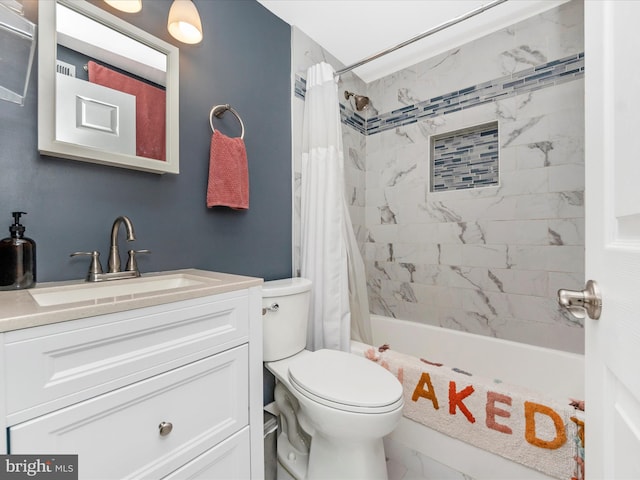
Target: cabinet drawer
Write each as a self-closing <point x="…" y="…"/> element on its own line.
<point x="228" y="460"/>
<point x="71" y="362"/>
<point x="117" y="435"/>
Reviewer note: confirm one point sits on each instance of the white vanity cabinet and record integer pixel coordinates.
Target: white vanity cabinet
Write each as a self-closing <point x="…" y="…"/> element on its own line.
<point x="166" y="391"/>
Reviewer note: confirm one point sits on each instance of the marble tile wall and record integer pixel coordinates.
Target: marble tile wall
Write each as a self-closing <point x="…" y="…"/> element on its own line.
<point x="489" y="260"/>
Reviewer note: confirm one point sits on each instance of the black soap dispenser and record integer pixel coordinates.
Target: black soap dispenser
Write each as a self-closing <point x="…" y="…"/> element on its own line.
<point x="17" y="258"/>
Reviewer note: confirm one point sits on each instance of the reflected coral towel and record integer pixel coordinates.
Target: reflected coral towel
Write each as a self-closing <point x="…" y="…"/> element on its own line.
<point x="228" y="173"/>
<point x="151" y="137"/>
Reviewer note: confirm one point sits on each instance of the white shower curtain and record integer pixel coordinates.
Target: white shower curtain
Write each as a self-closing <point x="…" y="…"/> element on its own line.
<point x="329" y="254"/>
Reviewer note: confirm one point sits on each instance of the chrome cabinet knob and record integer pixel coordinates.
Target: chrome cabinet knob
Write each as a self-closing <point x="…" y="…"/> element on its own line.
<point x="582" y="303"/>
<point x="165" y="428"/>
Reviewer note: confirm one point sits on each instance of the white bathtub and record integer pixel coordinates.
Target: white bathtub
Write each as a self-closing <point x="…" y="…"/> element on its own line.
<point x="415" y="450"/>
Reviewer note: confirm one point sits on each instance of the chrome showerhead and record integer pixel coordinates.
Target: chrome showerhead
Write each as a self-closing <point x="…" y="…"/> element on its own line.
<point x="361" y="101"/>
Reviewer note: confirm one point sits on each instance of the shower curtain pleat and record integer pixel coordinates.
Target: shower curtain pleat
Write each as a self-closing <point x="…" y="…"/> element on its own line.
<point x="326" y="244"/>
<point x="358" y="296"/>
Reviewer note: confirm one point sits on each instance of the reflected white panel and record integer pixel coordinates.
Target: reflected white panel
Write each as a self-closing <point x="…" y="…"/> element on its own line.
<point x="95" y="116"/>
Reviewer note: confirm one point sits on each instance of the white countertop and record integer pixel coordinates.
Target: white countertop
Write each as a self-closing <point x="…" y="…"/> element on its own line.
<point x="18" y="309"/>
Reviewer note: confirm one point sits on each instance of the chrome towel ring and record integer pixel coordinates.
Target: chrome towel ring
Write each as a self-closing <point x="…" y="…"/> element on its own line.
<point x="219" y="110"/>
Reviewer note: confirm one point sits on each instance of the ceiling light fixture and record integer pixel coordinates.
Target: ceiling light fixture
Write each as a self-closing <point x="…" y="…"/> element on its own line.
<point x="129" y="6"/>
<point x="184" y="22"/>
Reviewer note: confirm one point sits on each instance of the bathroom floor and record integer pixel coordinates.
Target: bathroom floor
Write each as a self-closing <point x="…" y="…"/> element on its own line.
<point x="407" y="464"/>
<point x="397" y="471"/>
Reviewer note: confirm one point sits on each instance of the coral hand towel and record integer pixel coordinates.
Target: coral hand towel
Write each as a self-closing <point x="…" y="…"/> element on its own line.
<point x="228" y="173"/>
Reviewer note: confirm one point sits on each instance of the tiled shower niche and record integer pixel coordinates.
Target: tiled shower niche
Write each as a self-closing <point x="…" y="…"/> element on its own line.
<point x="464" y="159"/>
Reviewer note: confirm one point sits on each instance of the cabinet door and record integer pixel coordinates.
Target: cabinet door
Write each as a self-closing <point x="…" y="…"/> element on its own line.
<point x="117" y="435"/>
<point x="228" y="461"/>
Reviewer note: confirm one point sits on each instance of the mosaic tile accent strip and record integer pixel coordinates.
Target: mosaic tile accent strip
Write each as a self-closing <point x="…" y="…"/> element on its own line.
<point x="351" y="118"/>
<point x="300" y="87"/>
<point x="535" y="78"/>
<point x="465" y="159"/>
<point x="347" y="116"/>
<point x="525" y="81"/>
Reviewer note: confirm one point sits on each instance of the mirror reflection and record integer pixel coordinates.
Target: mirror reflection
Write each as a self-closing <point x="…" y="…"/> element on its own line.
<point x="108" y="91"/>
<point x="121" y="83"/>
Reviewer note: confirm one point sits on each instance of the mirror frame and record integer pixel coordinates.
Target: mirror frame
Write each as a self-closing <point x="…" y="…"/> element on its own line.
<point x="47" y="53"/>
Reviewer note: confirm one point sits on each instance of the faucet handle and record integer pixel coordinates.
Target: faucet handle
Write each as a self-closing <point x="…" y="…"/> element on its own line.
<point x="95" y="267"/>
<point x="132" y="264"/>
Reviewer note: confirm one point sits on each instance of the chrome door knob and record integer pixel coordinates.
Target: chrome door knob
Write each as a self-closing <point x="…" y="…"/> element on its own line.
<point x="165" y="428"/>
<point x="582" y="303"/>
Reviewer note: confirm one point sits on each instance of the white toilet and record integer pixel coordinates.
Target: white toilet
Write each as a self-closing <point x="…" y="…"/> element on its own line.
<point x="335" y="407"/>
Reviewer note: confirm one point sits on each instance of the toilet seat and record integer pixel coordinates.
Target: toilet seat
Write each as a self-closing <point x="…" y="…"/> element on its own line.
<point x="345" y="382"/>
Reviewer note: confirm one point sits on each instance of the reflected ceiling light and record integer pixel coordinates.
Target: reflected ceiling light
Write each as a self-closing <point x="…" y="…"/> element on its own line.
<point x="129" y="6"/>
<point x="184" y="22"/>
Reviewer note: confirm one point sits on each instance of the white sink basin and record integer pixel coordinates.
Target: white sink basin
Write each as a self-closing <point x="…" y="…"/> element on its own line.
<point x="117" y="290"/>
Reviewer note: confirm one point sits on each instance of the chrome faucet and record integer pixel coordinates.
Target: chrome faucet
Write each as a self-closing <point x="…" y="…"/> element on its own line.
<point x="114" y="253"/>
<point x="114" y="269"/>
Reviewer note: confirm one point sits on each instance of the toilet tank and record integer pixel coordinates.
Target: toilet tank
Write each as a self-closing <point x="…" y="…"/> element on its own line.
<point x="284" y="327"/>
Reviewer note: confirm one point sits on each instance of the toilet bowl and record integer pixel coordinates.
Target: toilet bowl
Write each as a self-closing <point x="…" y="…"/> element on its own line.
<point x="335" y="407"/>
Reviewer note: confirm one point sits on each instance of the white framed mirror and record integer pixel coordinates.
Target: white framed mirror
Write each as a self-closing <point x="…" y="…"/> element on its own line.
<point x="108" y="91"/>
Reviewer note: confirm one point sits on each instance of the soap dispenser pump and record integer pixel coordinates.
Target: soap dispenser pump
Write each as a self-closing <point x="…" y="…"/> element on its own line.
<point x="17" y="258"/>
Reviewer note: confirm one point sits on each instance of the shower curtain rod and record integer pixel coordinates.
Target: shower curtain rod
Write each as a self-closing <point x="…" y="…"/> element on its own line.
<point x="422" y="35"/>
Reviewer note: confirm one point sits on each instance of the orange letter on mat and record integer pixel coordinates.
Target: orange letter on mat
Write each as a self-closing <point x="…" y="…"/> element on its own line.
<point x="530" y="409"/>
<point x="419" y="391"/>
<point x="455" y="398"/>
<point x="493" y="411"/>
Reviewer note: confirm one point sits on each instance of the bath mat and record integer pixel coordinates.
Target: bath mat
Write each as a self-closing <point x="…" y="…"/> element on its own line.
<point x="509" y="420"/>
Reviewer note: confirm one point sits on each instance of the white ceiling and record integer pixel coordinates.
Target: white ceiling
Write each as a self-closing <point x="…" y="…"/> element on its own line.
<point x="354" y="29"/>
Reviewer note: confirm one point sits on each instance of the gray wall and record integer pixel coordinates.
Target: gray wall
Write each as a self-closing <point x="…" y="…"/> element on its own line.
<point x="244" y="60"/>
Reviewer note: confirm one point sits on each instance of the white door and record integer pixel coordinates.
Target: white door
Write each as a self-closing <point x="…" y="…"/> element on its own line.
<point x="612" y="66"/>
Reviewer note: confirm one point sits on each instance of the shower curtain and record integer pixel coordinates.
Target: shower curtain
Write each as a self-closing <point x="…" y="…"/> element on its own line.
<point x="329" y="253"/>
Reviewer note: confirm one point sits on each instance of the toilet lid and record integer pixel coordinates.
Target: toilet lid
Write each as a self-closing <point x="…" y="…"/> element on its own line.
<point x="346" y="382"/>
